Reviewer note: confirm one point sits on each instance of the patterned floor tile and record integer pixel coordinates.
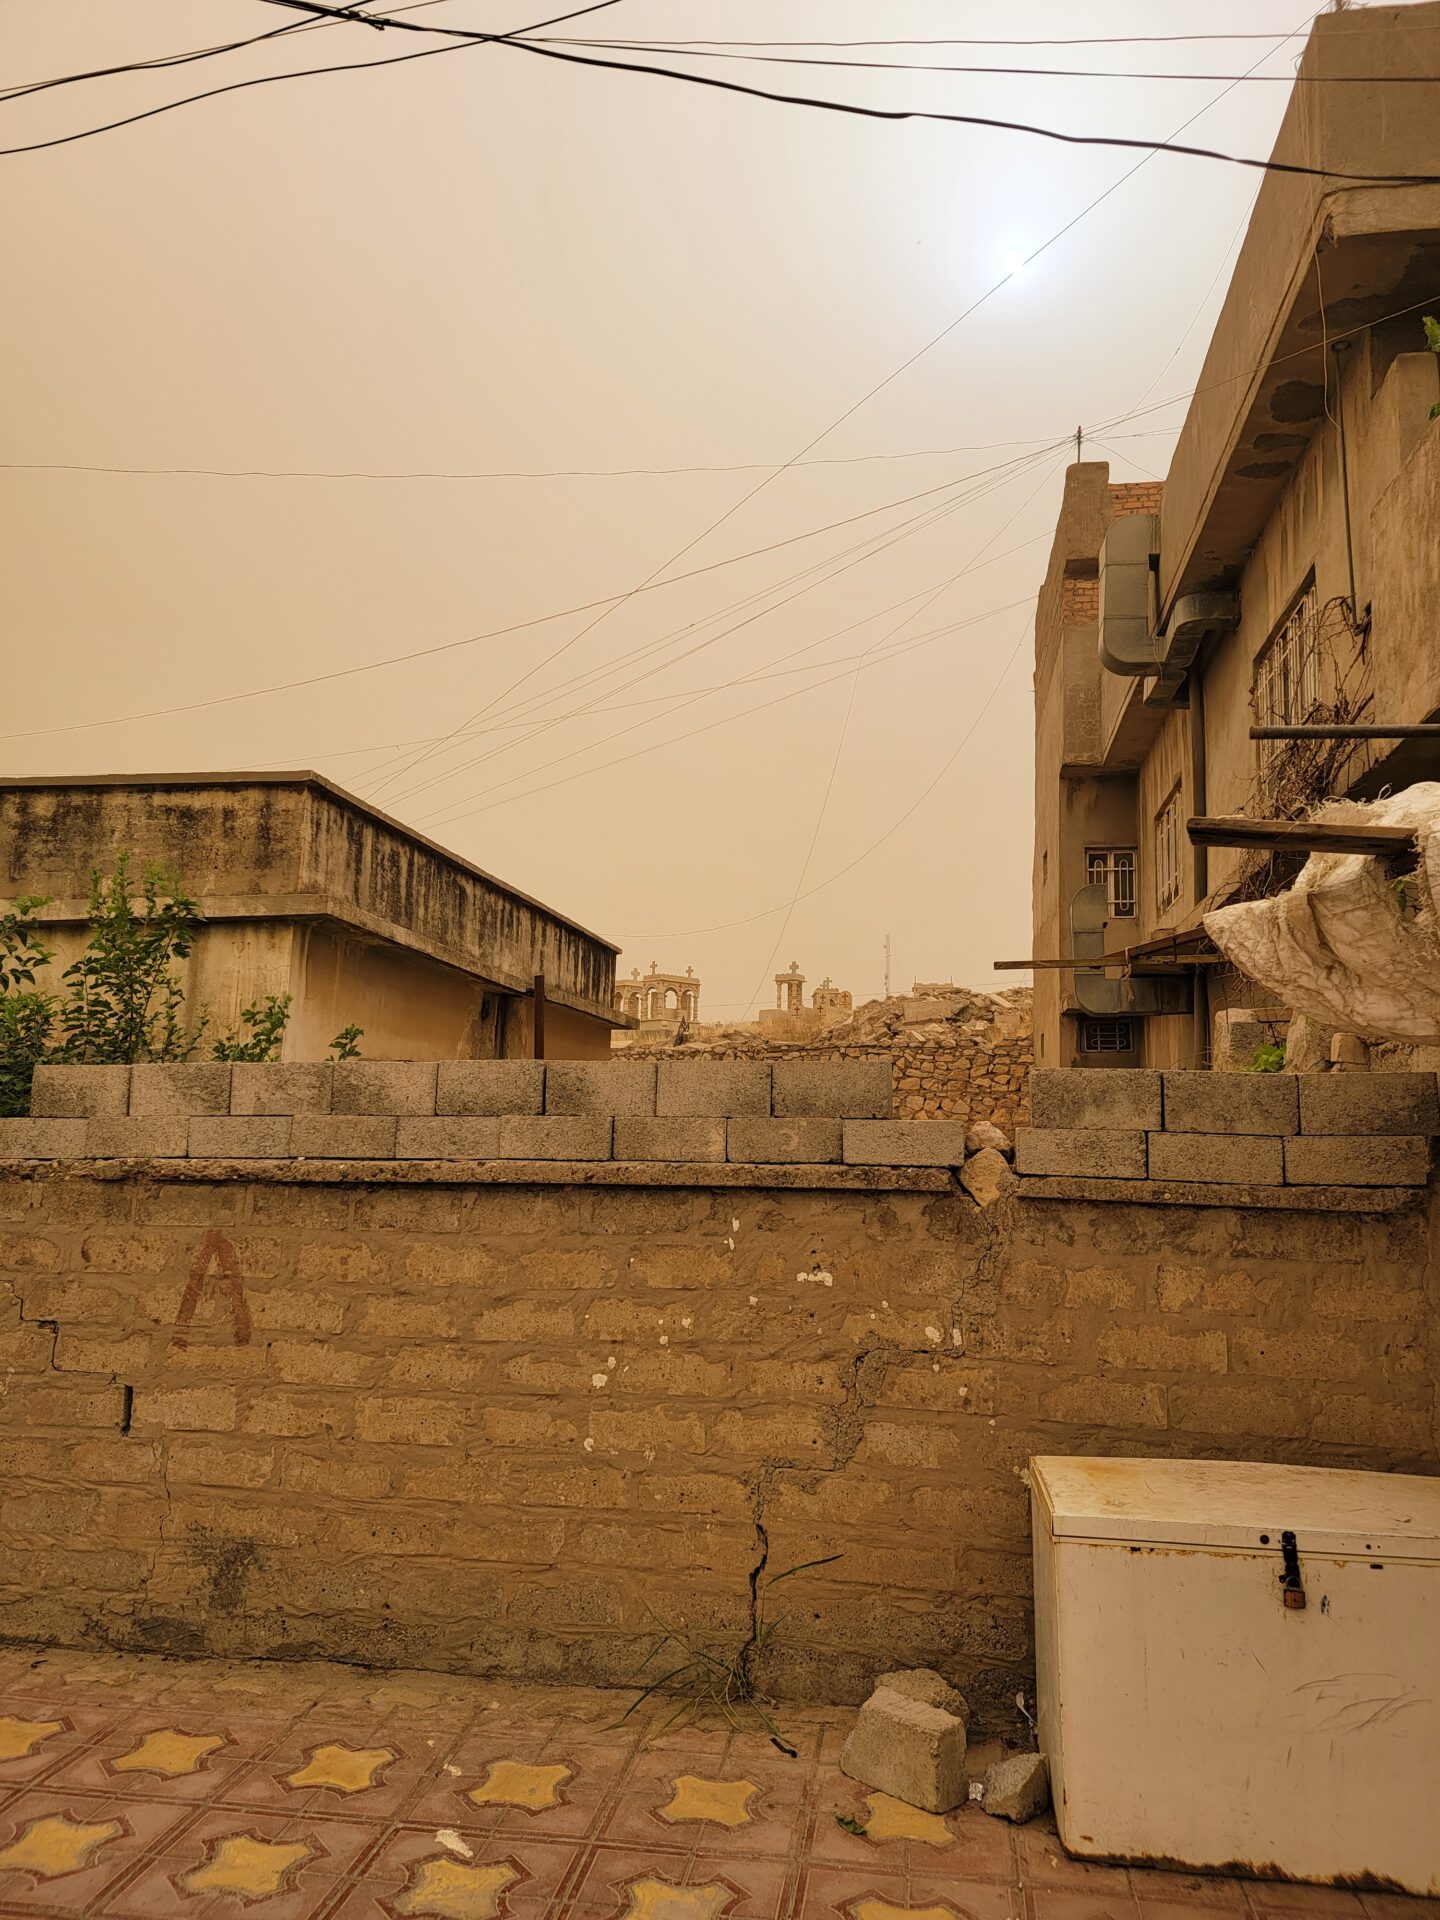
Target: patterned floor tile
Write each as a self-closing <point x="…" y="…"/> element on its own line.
<point x="763" y="1888"/>
<point x="62" y="1851"/>
<point x="1080" y="1903"/>
<point x="601" y="1889"/>
<point x="1043" y="1862"/>
<point x="829" y="1893"/>
<point x="969" y="1899"/>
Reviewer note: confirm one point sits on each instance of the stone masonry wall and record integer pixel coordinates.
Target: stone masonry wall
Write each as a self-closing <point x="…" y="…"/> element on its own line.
<point x="970" y="1077"/>
<point x="499" y="1421"/>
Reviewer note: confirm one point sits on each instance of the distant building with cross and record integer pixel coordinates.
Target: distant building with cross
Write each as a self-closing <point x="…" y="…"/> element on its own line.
<point x="658" y="1001"/>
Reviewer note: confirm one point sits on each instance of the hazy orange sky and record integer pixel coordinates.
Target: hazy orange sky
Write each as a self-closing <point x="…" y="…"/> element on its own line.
<point x="491" y="263"/>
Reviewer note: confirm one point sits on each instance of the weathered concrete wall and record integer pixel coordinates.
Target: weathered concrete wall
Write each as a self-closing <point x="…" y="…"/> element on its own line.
<point x="305" y="889"/>
<point x="488" y="1427"/>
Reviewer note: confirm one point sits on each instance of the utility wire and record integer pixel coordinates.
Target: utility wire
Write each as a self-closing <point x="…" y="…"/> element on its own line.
<point x="299" y="73"/>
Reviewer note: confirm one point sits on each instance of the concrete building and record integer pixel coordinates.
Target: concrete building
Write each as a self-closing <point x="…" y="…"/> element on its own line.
<point x="658" y="1002"/>
<point x="1287" y="571"/>
<point x="308" y="891"/>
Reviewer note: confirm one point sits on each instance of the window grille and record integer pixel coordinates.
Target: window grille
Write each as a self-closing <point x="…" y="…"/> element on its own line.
<point x="1115" y="866"/>
<point x="1287" y="671"/>
<point x="1167" y="853"/>
<point x="1104" y="1035"/>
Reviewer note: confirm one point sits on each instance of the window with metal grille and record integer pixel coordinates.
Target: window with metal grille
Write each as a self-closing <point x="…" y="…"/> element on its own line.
<point x="1104" y="1035"/>
<point x="1115" y="866"/>
<point x="1167" y="853"/>
<point x="1287" y="671"/>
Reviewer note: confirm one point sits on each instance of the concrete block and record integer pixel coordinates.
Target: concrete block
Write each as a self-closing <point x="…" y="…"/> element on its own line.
<point x="240" y="1137"/>
<point x="554" y="1137"/>
<point x="913" y="1752"/>
<point x="983" y="1135"/>
<point x="783" y="1143"/>
<point x="471" y="1136"/>
<point x="713" y="1088"/>
<point x="600" y="1087"/>
<point x="74" y="1093"/>
<point x="1357" y="1160"/>
<point x="904" y="1143"/>
<point x="1368" y="1103"/>
<point x="1113" y="1097"/>
<point x="1231" y="1103"/>
<point x="301" y="1086"/>
<point x="177" y="1092"/>
<point x="1018" y="1787"/>
<point x="1236" y="1032"/>
<point x="49" y="1139"/>
<point x="1237" y="1159"/>
<point x="343" y="1136"/>
<point x="924" y="1684"/>
<point x="384" y="1086"/>
<point x="132" y="1138"/>
<point x="490" y="1086"/>
<point x="1093" y="1152"/>
<point x="640" y="1137"/>
<point x="987" y="1176"/>
<point x="832" y="1089"/>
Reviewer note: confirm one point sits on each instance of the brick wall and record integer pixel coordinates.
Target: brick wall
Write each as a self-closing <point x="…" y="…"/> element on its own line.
<point x="487" y="1425"/>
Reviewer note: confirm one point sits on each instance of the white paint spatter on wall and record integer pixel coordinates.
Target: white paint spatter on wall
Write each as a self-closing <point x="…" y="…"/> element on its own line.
<point x="450" y="1839"/>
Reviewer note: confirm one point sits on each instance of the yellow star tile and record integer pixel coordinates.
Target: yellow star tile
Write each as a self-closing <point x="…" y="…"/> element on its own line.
<point x="347" y="1769"/>
<point x="724" y="1801"/>
<point x="54" y="1845"/>
<point x="453" y="1892"/>
<point x="252" y="1868"/>
<point x="169" y="1752"/>
<point x="510" y="1783"/>
<point x="882" y="1910"/>
<point x="893" y="1820"/>
<point x="21" y="1737"/>
<point x="656" y="1900"/>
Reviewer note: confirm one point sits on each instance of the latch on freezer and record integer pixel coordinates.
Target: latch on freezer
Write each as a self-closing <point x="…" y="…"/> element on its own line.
<point x="1292" y="1586"/>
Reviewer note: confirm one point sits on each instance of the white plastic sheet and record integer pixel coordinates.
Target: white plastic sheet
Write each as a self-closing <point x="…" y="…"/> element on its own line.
<point x="1347" y="943"/>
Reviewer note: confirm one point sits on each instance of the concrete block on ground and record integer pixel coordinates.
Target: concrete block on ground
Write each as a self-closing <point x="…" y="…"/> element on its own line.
<point x="987" y="1176"/>
<point x="49" y="1139"/>
<point x="554" y="1136"/>
<point x="180" y="1091"/>
<point x="448" y="1136"/>
<point x="600" y="1087"/>
<point x="784" y="1143"/>
<point x="639" y="1136"/>
<point x="1368" y="1103"/>
<point x="1096" y="1153"/>
<point x="924" y="1684"/>
<point x="713" y="1088"/>
<point x="384" y="1086"/>
<point x="1236" y="1159"/>
<point x="1231" y="1103"/>
<point x="134" y="1138"/>
<point x="1357" y="1160"/>
<point x="1018" y="1787"/>
<point x="79" y="1093"/>
<point x="490" y="1086"/>
<point x="240" y="1136"/>
<point x="1107" y="1097"/>
<point x="832" y="1089"/>
<point x="299" y="1086"/>
<point x="904" y="1143"/>
<point x="985" y="1135"/>
<point x="343" y="1136"/>
<point x="913" y="1752"/>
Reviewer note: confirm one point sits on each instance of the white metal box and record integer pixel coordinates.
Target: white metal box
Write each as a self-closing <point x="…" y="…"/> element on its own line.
<point x="1239" y="1666"/>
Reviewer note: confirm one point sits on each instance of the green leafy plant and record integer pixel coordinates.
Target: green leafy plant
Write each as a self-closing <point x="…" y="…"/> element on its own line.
<point x="264" y="1025"/>
<point x="126" y="1002"/>
<point x="27" y="1014"/>
<point x="723" y="1683"/>
<point x="1432" y="340"/>
<point x="1269" y="1058"/>
<point x="850" y="1823"/>
<point x="346" y="1044"/>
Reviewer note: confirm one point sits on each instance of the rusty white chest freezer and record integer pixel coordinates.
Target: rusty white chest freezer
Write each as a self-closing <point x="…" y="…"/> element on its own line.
<point x="1239" y="1666"/>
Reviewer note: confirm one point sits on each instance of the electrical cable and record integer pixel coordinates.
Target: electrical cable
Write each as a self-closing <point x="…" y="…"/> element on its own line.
<point x="826" y="571"/>
<point x="298" y="73"/>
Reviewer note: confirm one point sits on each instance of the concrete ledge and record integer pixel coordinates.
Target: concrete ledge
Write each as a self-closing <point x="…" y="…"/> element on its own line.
<point x="509" y="1173"/>
<point x="1204" y="1193"/>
